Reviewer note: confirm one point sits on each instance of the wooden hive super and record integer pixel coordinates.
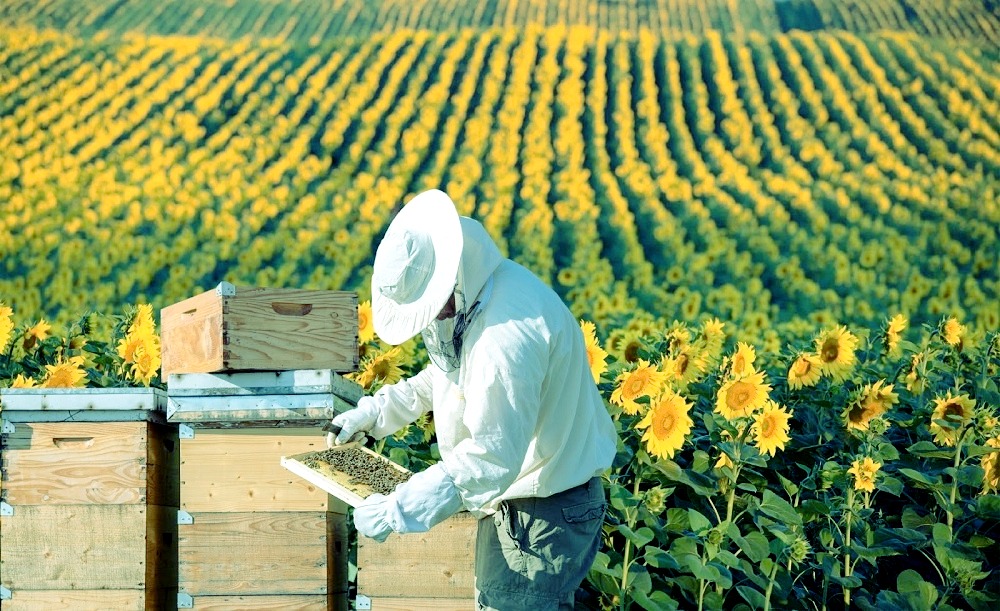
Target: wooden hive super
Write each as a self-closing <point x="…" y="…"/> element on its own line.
<point x="232" y="328"/>
<point x="89" y="511"/>
<point x="420" y="571"/>
<point x="251" y="534"/>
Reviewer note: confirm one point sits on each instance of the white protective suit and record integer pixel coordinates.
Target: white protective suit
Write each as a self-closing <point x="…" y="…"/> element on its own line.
<point x="521" y="417"/>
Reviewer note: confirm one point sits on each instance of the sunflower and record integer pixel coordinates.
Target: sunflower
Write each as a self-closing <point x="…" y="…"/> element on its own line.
<point x="644" y="381"/>
<point x="22" y="382"/>
<point x="713" y="335"/>
<point x="667" y="423"/>
<point x="145" y="364"/>
<point x="625" y="344"/>
<point x="742" y="361"/>
<point x="655" y="500"/>
<point x="595" y="354"/>
<point x="896" y="325"/>
<point x="770" y="428"/>
<point x="383" y="369"/>
<point x="366" y="330"/>
<point x="140" y="348"/>
<point x="39" y="332"/>
<point x="915" y="381"/>
<point x="953" y="332"/>
<point x="951" y="415"/>
<point x="873" y="401"/>
<point x="6" y="324"/>
<point x="864" y="472"/>
<point x="67" y="373"/>
<point x="805" y="371"/>
<point x="742" y="396"/>
<point x="991" y="467"/>
<point x="684" y="368"/>
<point x="835" y="349"/>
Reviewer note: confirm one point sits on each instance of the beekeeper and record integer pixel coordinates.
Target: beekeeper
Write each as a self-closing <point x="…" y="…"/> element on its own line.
<point x="522" y="430"/>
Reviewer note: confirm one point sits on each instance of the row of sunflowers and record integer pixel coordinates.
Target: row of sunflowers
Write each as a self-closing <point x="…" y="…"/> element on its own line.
<point x="762" y="180"/>
<point x="860" y="468"/>
<point x="314" y="20"/>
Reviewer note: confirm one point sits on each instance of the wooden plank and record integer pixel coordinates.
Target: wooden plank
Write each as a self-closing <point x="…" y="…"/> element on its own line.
<point x="82" y="399"/>
<point x="423" y="604"/>
<point x="77" y="600"/>
<point x="292" y="329"/>
<point x="191" y="334"/>
<point x="254" y="553"/>
<point x="78" y="547"/>
<point x="75" y="463"/>
<point x="439" y="563"/>
<point x="292" y="602"/>
<point x="240" y="470"/>
<point x="81" y="463"/>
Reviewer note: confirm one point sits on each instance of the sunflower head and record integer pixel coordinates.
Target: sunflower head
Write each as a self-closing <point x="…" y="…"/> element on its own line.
<point x="741" y="397"/>
<point x="950" y="417"/>
<point x="6" y="324"/>
<point x="835" y="349"/>
<point x="953" y="332"/>
<point x="893" y="333"/>
<point x="864" y="472"/>
<point x="991" y="467"/>
<point x="39" y="332"/>
<point x="643" y="381"/>
<point x="596" y="356"/>
<point x="742" y="360"/>
<point x="770" y="428"/>
<point x="67" y="373"/>
<point x="666" y="424"/>
<point x="23" y="382"/>
<point x="871" y="402"/>
<point x="805" y="371"/>
<point x="380" y="370"/>
<point x="366" y="330"/>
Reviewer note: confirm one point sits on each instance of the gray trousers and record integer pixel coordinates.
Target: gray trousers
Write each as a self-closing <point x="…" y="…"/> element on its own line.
<point x="534" y="553"/>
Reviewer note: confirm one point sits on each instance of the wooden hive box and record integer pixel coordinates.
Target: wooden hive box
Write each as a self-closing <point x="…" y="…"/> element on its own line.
<point x="420" y="571"/>
<point x="89" y="504"/>
<point x="251" y="534"/>
<point x="233" y="328"/>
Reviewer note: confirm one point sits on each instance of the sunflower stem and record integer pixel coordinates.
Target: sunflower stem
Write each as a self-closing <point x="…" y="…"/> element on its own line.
<point x="626" y="556"/>
<point x="954" y="482"/>
<point x="847" y="546"/>
<point x="770" y="585"/>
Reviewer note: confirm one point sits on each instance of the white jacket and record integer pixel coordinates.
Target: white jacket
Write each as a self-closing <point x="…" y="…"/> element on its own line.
<point x="522" y="416"/>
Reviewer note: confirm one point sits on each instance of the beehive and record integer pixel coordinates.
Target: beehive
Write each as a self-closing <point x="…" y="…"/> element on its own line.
<point x="232" y="328"/>
<point x="420" y="571"/>
<point x="90" y="498"/>
<point x="251" y="534"/>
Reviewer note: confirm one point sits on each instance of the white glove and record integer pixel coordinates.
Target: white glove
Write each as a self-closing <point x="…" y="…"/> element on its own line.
<point x="354" y="423"/>
<point x="416" y="505"/>
<point x="370" y="518"/>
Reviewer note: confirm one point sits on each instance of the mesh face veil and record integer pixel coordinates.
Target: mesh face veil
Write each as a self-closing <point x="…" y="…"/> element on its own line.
<point x="443" y="338"/>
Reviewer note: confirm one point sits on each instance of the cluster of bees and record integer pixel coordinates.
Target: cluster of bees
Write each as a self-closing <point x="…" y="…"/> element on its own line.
<point x="362" y="467"/>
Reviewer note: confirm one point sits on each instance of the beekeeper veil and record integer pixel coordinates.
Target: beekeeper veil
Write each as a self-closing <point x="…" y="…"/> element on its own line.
<point x="417" y="270"/>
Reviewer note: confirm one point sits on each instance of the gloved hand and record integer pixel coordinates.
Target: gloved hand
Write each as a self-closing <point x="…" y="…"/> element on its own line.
<point x="353" y="423"/>
<point x="416" y="505"/>
<point x="371" y="517"/>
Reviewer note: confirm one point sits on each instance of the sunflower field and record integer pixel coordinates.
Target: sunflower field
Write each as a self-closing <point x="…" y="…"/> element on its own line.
<point x="777" y="221"/>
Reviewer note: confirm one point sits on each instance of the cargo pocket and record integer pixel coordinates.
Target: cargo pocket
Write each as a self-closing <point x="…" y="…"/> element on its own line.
<point x="584" y="512"/>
